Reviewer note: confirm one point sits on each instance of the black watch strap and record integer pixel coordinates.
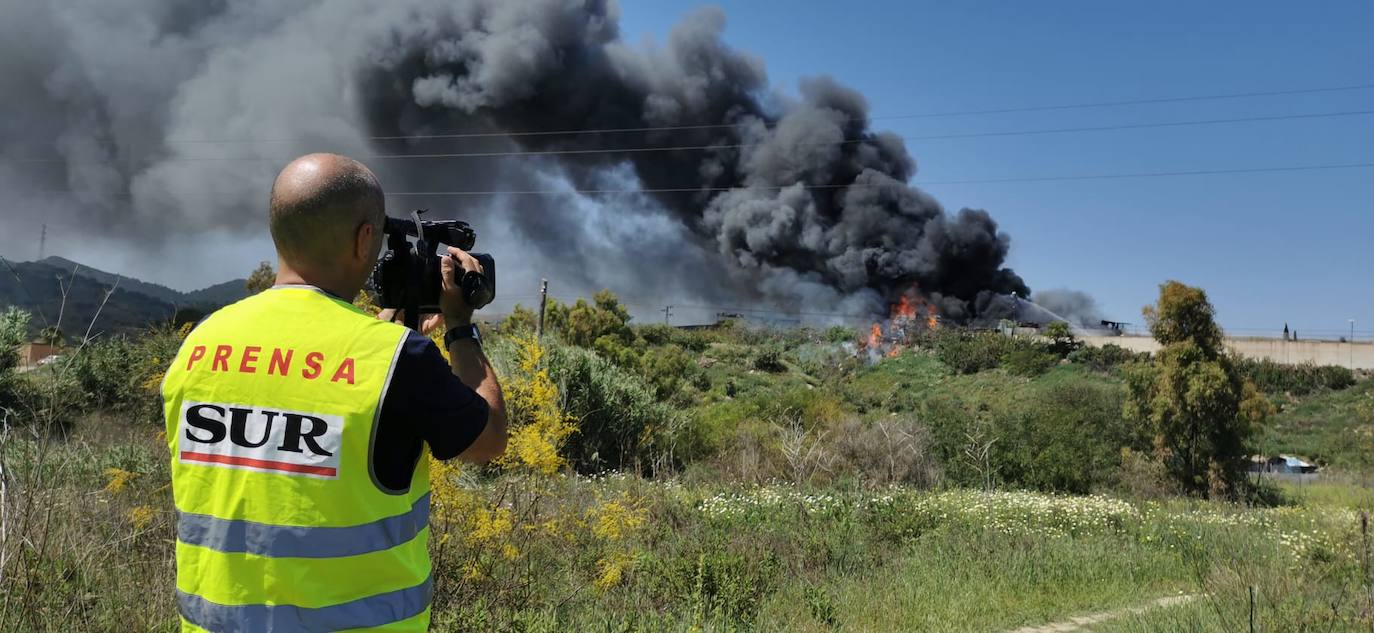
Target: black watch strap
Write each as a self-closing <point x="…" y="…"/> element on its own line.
<point x="461" y="332"/>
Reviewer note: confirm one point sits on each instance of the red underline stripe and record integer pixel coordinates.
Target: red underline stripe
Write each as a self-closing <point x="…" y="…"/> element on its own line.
<point x="258" y="463"/>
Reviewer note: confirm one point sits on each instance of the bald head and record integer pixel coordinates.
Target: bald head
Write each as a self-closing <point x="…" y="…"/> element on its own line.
<point x="318" y="203"/>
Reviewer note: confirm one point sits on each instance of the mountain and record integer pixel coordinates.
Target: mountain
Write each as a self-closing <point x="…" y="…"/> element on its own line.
<point x="221" y="294"/>
<point x="38" y="287"/>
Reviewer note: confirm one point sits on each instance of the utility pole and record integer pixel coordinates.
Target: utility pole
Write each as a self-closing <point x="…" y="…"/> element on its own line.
<point x="1352" y="344"/>
<point x="667" y="314"/>
<point x="543" y="299"/>
<point x="42" y="241"/>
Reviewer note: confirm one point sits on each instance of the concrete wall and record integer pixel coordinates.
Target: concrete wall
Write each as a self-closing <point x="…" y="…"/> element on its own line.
<point x="1354" y="355"/>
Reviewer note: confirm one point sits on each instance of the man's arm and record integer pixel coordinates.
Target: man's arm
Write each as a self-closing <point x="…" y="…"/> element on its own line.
<point x="469" y="363"/>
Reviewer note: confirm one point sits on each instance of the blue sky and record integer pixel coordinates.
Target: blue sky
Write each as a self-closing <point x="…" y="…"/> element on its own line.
<point x="1269" y="248"/>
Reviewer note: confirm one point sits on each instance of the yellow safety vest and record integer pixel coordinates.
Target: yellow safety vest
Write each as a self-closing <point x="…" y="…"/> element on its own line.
<point x="271" y="408"/>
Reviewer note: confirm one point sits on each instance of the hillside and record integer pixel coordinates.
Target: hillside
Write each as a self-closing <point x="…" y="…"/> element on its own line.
<point x="38" y="288"/>
<point x="1335" y="428"/>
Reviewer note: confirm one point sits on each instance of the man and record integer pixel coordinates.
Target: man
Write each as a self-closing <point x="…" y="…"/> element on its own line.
<point x="297" y="425"/>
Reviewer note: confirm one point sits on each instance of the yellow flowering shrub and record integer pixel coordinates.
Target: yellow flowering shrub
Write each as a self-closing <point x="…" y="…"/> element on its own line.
<point x="611" y="569"/>
<point x="538" y="426"/>
<point x="118" y="479"/>
<point x="613" y="519"/>
<point x="141" y="516"/>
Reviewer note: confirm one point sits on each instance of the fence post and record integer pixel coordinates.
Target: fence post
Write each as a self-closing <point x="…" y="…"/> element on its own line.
<point x="1252" y="609"/>
<point x="543" y="299"/>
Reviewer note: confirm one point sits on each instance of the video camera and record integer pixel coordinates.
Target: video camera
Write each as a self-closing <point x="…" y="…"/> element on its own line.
<point x="407" y="277"/>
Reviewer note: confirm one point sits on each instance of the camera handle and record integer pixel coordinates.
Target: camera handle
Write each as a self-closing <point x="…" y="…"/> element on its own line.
<point x="414" y="276"/>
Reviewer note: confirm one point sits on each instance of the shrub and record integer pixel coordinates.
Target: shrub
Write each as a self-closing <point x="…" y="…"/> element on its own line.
<point x="1063" y="434"/>
<point x="967" y="352"/>
<point x="1298" y="380"/>
<point x="769" y="358"/>
<point x="666" y="369"/>
<point x="521" y="320"/>
<point x="621" y="422"/>
<point x="1068" y="437"/>
<point x="538" y="425"/>
<point x="14" y="327"/>
<point x="888" y="451"/>
<point x="656" y="333"/>
<point x="125" y="373"/>
<point x="1028" y="361"/>
<point x="615" y="349"/>
<point x="825" y="360"/>
<point x="1061" y="338"/>
<point x="587" y="322"/>
<point x="841" y="334"/>
<point x="1107" y="358"/>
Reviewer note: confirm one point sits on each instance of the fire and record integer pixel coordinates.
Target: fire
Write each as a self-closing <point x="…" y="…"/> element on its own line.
<point x="875" y="337"/>
<point x="907" y="317"/>
<point x="905" y="308"/>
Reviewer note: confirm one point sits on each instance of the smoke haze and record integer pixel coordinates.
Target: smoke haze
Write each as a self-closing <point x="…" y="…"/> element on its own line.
<point x="1077" y="307"/>
<point x="148" y="132"/>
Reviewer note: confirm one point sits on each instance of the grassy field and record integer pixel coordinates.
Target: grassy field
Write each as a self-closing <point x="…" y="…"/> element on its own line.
<point x="621" y="553"/>
<point x="781" y="482"/>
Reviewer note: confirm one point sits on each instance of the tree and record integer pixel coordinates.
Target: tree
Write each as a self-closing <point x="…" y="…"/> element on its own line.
<point x="521" y="320"/>
<point x="1062" y="340"/>
<point x="262" y="278"/>
<point x="1203" y="414"/>
<point x="605" y="316"/>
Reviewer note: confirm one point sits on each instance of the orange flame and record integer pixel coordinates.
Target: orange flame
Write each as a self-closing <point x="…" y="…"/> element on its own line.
<point x="905" y="308"/>
<point x="875" y="336"/>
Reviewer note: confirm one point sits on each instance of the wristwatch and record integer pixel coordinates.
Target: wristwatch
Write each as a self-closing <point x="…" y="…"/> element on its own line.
<point x="461" y="332"/>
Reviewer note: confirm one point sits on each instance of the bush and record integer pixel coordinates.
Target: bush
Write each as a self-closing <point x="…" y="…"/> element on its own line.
<point x="841" y="334"/>
<point x="1107" y="358"/>
<point x="14" y="327"/>
<point x="125" y="374"/>
<point x="892" y="451"/>
<point x="967" y="352"/>
<point x="667" y="369"/>
<point x="656" y="334"/>
<point x="1028" y="361"/>
<point x="1063" y="434"/>
<point x="1298" y="380"/>
<point x="769" y="358"/>
<point x="1062" y="342"/>
<point x="825" y="360"/>
<point x="660" y="334"/>
<point x="621" y="422"/>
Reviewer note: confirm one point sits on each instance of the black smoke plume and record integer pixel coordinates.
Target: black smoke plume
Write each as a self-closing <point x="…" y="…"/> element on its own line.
<point x="777" y="199"/>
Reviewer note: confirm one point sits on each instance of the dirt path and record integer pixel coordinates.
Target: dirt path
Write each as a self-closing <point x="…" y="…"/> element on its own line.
<point x="1078" y="623"/>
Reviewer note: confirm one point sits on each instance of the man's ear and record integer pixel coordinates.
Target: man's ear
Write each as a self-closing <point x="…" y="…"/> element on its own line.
<point x="363" y="241"/>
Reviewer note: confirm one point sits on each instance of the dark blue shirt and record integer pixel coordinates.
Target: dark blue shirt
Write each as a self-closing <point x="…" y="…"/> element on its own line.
<point x="425" y="403"/>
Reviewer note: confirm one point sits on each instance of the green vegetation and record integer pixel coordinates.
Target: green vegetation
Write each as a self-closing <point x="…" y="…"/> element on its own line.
<point x="733" y="478"/>
<point x="1335" y="428"/>
<point x="1201" y="410"/>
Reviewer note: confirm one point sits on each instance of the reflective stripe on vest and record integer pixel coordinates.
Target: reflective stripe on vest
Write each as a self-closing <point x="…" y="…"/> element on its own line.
<point x="262" y="539"/>
<point x="375" y="610"/>
<point x="271" y="408"/>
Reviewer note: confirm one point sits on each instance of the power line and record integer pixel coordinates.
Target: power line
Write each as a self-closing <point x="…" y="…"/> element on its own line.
<point x="856" y="185"/>
<point x="726" y="146"/>
<point x="1158" y="174"/>
<point x="707" y="126"/>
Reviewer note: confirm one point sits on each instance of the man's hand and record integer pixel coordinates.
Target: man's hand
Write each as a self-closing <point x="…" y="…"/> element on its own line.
<point x="428" y="322"/>
<point x="455" y="308"/>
